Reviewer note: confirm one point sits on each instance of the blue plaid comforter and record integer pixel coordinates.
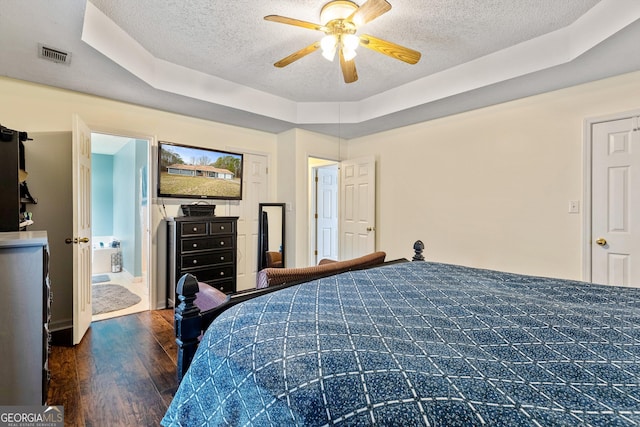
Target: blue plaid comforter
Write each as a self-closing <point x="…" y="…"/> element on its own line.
<point x="420" y="344"/>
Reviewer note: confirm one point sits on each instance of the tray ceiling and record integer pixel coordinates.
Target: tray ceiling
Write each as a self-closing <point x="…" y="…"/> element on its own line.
<point x="214" y="60"/>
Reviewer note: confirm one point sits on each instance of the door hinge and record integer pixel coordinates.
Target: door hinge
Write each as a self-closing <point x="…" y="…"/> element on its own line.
<point x="315" y="252"/>
<point x="315" y="216"/>
<point x="316" y="179"/>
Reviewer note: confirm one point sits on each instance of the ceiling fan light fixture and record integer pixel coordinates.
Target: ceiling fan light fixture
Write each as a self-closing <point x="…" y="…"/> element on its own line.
<point x="348" y="54"/>
<point x="341" y="20"/>
<point x="328" y="44"/>
<point x="337" y="9"/>
<point x="350" y="41"/>
<point x="329" y="55"/>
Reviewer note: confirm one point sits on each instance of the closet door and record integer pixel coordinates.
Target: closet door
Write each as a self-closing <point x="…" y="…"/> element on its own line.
<point x="615" y="230"/>
<point x="357" y="207"/>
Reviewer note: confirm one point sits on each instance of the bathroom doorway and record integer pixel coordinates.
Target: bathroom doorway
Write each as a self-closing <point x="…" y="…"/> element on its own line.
<point x="120" y="225"/>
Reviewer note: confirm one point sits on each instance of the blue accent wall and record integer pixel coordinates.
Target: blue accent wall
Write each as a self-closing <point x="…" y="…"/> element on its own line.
<point x="117" y="198"/>
<point x="102" y="194"/>
<point x="128" y="165"/>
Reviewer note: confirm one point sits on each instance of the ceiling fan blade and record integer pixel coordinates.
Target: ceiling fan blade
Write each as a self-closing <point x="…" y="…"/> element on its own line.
<point x="348" y="69"/>
<point x="369" y="11"/>
<point x="295" y="22"/>
<point x="393" y="50"/>
<point x="297" y="55"/>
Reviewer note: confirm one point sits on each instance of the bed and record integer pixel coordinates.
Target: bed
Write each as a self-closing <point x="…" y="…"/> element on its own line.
<point x="420" y="343"/>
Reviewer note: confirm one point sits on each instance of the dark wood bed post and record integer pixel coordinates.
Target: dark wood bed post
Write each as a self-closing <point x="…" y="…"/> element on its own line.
<point x="418" y="247"/>
<point x="188" y="322"/>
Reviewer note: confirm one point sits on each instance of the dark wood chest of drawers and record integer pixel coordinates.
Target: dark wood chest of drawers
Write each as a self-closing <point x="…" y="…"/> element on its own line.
<point x="204" y="246"/>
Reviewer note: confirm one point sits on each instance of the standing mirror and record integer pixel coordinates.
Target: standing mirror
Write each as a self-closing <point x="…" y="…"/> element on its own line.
<point x="271" y="235"/>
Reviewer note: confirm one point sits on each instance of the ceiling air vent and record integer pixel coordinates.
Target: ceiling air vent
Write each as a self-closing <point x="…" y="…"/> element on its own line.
<point x="55" y="55"/>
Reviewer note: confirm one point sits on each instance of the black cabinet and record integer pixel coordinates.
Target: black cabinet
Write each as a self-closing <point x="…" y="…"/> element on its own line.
<point x="204" y="246"/>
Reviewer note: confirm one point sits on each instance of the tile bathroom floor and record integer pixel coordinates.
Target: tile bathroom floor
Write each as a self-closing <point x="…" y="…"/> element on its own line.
<point x="138" y="287"/>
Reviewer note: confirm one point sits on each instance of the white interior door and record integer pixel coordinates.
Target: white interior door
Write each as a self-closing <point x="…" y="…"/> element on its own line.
<point x="615" y="230"/>
<point x="255" y="190"/>
<point x="357" y="207"/>
<point x="326" y="212"/>
<point x="81" y="153"/>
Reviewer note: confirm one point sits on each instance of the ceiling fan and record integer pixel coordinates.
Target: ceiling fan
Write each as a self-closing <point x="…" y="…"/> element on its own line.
<point x="340" y="21"/>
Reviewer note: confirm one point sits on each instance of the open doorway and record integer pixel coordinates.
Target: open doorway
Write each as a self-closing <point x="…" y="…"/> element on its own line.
<point x="324" y="193"/>
<point x="120" y="224"/>
<point x="342" y="224"/>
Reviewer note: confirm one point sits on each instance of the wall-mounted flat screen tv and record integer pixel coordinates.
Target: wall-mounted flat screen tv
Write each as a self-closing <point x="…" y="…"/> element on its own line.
<point x="188" y="172"/>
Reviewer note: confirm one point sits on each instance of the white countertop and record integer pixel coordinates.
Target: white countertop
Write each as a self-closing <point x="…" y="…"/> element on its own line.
<point x="23" y="238"/>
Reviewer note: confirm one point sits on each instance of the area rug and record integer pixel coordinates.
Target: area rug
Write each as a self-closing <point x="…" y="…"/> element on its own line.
<point x="99" y="278"/>
<point x="111" y="297"/>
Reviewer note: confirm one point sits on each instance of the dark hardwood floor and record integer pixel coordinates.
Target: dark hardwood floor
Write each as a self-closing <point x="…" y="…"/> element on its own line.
<point x="122" y="373"/>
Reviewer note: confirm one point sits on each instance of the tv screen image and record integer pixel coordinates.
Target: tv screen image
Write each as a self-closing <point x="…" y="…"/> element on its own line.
<point x="188" y="172"/>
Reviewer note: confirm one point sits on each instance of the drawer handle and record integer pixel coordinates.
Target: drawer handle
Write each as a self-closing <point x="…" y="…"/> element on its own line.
<point x="195" y="261"/>
<point x="221" y="258"/>
<point x="195" y="228"/>
<point x="222" y="273"/>
<point x="221" y="243"/>
<point x="195" y="245"/>
<point x="222" y="227"/>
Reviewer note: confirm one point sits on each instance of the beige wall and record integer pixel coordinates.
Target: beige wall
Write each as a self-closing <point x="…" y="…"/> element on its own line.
<point x="487" y="188"/>
<point x="54" y="214"/>
<point x="295" y="147"/>
<point x="35" y="108"/>
<point x="491" y="187"/>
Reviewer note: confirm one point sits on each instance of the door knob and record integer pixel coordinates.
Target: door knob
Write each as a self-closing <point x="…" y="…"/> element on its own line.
<point x="370" y="228"/>
<point x="69" y="240"/>
<point x="601" y="242"/>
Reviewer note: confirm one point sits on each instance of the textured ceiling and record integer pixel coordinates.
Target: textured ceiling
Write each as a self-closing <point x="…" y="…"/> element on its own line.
<point x="231" y="40"/>
<point x="214" y="59"/>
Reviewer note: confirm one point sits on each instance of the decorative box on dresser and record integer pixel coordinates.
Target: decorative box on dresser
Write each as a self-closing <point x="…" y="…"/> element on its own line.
<point x="204" y="246"/>
<point x="24" y="313"/>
